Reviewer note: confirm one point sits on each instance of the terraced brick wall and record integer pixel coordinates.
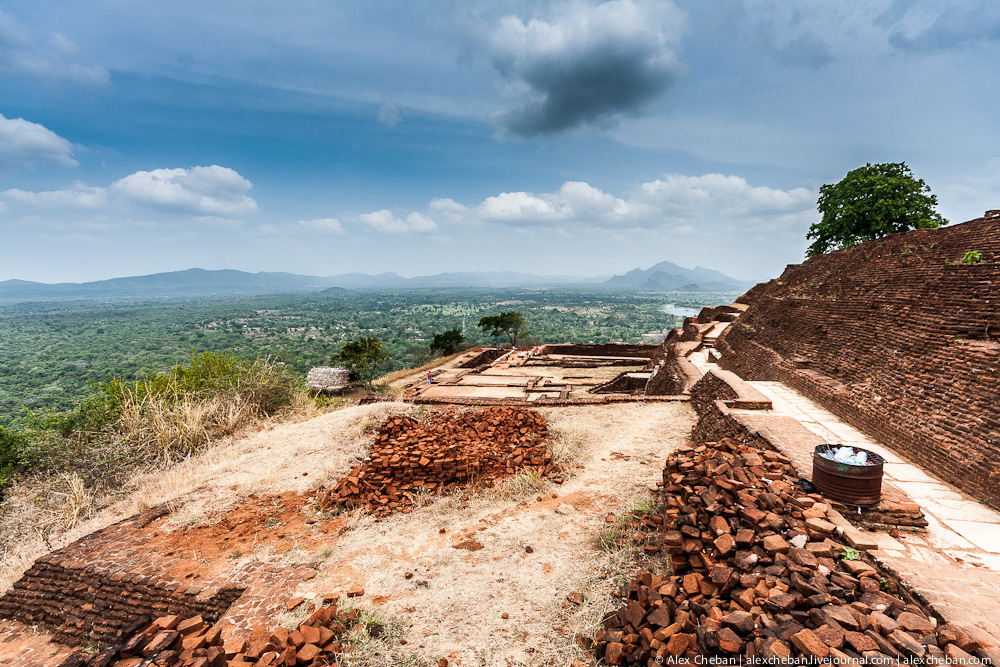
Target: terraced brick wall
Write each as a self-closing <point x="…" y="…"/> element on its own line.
<point x="897" y="336"/>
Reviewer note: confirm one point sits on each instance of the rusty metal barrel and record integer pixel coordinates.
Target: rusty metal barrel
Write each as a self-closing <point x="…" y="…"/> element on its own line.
<point x="846" y="482"/>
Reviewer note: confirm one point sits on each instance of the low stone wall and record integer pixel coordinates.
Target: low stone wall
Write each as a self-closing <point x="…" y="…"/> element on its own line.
<point x="548" y="402"/>
<point x="624" y="383"/>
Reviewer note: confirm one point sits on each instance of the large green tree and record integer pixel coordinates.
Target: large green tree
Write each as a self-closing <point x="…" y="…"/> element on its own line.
<point x="363" y="356"/>
<point x="447" y="342"/>
<point x="870" y="202"/>
<point x="508" y="324"/>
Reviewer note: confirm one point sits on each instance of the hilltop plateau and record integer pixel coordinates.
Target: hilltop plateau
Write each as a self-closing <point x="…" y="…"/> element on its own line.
<point x="561" y="504"/>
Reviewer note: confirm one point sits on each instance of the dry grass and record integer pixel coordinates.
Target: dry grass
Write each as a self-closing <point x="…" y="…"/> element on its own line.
<point x="565" y="442"/>
<point x="267" y="457"/>
<point x="521" y="485"/>
<point x="168" y="428"/>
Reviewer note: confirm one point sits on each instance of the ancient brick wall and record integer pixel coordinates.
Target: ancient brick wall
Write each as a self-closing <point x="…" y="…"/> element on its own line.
<point x="83" y="592"/>
<point x="601" y="350"/>
<point x="487" y="356"/>
<point x="717" y="314"/>
<point x="896" y="336"/>
<point x="709" y="389"/>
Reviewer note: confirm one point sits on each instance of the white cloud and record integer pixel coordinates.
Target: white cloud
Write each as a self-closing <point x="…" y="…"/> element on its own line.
<point x="20" y="55"/>
<point x="589" y="65"/>
<point x="806" y="49"/>
<point x="79" y="197"/>
<point x="575" y="202"/>
<point x="732" y="196"/>
<point x="389" y="114"/>
<point x="450" y="211"/>
<point x="24" y="143"/>
<point x="321" y="226"/>
<point x="208" y="196"/>
<point x="213" y="191"/>
<point x="676" y="203"/>
<point x="387" y="223"/>
<point x="589" y="203"/>
<point x="944" y="26"/>
<point x="519" y="207"/>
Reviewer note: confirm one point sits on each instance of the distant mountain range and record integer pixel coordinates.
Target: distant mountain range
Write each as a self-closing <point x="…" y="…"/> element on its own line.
<point x="665" y="276"/>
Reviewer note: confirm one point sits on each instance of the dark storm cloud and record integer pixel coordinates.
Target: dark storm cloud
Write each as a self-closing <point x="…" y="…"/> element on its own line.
<point x="589" y="66"/>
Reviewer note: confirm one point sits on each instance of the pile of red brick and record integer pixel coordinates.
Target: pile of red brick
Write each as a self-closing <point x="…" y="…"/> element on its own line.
<point x="170" y="641"/>
<point x="759" y="575"/>
<point x="447" y="450"/>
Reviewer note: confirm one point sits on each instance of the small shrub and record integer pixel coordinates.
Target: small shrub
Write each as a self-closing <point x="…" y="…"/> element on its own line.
<point x="972" y="257"/>
<point x="170" y="415"/>
<point x="645" y="504"/>
<point x="12" y="446"/>
<point x="155" y="420"/>
<point x="850" y="554"/>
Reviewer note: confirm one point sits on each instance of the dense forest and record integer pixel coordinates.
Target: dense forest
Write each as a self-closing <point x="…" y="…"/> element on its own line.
<point x="51" y="353"/>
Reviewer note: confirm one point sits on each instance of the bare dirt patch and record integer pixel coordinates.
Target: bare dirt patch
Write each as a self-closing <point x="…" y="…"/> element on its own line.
<point x="453" y="604"/>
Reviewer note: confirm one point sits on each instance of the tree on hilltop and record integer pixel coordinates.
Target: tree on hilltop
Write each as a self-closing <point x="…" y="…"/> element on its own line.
<point x="447" y="342"/>
<point x="362" y="356"/>
<point x="507" y="324"/>
<point x="871" y="202"/>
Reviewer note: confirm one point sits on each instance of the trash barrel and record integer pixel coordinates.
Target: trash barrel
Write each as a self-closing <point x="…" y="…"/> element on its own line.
<point x="846" y="482"/>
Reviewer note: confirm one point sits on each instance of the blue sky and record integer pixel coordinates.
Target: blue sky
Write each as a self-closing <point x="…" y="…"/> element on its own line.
<point x="573" y="137"/>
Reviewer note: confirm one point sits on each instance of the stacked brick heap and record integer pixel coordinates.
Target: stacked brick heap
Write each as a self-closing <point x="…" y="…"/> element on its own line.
<point x="170" y="641"/>
<point x="448" y="450"/>
<point x="758" y="576"/>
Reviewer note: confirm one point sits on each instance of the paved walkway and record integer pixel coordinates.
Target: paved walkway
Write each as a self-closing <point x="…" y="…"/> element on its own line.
<point x="955" y="565"/>
<point x="957" y="523"/>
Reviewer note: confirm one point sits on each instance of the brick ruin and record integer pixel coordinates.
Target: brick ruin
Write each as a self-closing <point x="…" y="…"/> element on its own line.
<point x="84" y="593"/>
<point x="898" y="337"/>
<point x="559" y="374"/>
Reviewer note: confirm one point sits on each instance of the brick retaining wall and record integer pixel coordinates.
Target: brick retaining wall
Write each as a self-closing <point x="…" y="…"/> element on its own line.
<point x="897" y="337"/>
